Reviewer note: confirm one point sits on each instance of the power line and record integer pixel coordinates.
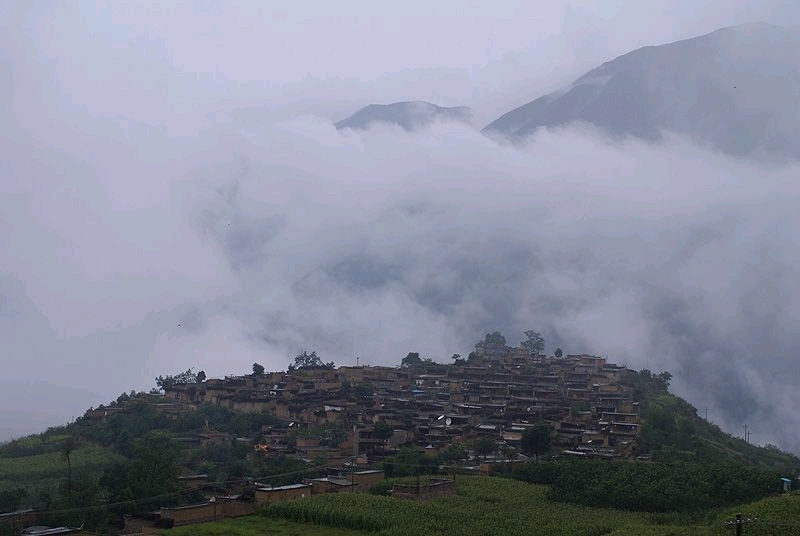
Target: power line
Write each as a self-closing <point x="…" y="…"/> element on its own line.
<point x="189" y="491"/>
<point x="173" y="493"/>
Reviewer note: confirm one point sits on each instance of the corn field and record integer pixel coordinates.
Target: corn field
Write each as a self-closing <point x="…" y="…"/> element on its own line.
<point x="481" y="506"/>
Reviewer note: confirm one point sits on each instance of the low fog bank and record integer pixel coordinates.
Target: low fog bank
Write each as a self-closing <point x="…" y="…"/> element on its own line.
<point x="150" y="254"/>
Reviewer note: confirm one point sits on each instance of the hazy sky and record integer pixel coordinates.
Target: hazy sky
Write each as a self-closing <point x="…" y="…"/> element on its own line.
<point x="165" y="166"/>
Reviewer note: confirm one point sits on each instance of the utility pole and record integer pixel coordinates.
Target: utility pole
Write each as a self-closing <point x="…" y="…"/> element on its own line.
<point x="746" y="434"/>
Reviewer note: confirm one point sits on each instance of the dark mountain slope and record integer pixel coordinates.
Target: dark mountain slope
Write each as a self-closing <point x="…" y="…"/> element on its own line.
<point x="736" y="89"/>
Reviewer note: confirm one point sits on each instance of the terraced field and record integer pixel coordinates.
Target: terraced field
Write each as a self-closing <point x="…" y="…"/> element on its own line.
<point x="44" y="471"/>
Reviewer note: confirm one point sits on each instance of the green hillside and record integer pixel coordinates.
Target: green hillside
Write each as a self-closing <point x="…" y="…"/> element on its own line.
<point x="683" y="468"/>
<point x="672" y="430"/>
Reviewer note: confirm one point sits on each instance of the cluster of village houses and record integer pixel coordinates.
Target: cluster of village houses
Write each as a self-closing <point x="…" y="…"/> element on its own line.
<point x="429" y="406"/>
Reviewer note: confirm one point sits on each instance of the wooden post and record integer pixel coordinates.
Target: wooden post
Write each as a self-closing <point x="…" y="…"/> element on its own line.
<point x="738" y="524"/>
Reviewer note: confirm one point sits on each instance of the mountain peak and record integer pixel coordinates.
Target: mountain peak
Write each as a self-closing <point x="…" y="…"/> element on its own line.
<point x="410" y="115"/>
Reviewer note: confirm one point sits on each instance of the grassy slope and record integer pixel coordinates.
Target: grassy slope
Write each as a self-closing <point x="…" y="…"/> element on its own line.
<point x="38" y="472"/>
<point x="677" y="432"/>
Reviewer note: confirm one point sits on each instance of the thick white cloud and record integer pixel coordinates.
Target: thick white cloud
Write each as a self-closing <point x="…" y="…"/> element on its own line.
<point x="225" y="250"/>
<point x="163" y="206"/>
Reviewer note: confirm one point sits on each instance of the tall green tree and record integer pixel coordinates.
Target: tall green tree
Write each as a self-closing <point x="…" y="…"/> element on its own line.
<point x="454" y="452"/>
<point x="382" y="431"/>
<point x="306" y="360"/>
<point x="536" y="440"/>
<point x="11" y="499"/>
<point x="494" y="339"/>
<point x="157" y="462"/>
<point x="411" y="359"/>
<point x="363" y="390"/>
<point x="184" y="378"/>
<point x="534" y="342"/>
<point x="485" y="446"/>
<point x="258" y="370"/>
<point x="409" y="462"/>
<point x="153" y="471"/>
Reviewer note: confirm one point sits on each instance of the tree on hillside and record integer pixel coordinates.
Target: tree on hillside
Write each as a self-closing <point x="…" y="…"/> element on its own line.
<point x="658" y="381"/>
<point x="11" y="499"/>
<point x="485" y="446"/>
<point x="156" y="464"/>
<point x="184" y="378"/>
<point x="534" y="342"/>
<point x="153" y="471"/>
<point x="308" y="361"/>
<point x="382" y="431"/>
<point x="201" y="376"/>
<point x="458" y="360"/>
<point x="411" y="359"/>
<point x="558" y="353"/>
<point x="454" y="452"/>
<point x="494" y="339"/>
<point x="258" y="370"/>
<point x="536" y="440"/>
<point x="664" y="378"/>
<point x="363" y="390"/>
<point x="409" y="462"/>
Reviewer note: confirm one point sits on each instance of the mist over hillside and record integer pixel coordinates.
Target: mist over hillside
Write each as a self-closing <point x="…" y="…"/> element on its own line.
<point x="736" y="89"/>
<point x="370" y="245"/>
<point x="146" y="231"/>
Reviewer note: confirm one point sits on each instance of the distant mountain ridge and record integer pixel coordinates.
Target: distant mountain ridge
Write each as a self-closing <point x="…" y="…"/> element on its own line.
<point x="410" y="115"/>
<point x="736" y="89"/>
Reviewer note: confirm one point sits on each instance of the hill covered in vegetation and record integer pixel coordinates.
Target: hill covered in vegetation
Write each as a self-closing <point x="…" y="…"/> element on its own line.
<point x="129" y="456"/>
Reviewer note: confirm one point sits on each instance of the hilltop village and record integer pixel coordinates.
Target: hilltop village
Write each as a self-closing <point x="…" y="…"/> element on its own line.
<point x="496" y="394"/>
<point x="236" y="444"/>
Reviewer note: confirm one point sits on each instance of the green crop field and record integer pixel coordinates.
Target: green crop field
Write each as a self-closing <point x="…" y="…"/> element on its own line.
<point x="776" y="516"/>
<point x="42" y="471"/>
<point x="259" y="526"/>
<point x="481" y="506"/>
